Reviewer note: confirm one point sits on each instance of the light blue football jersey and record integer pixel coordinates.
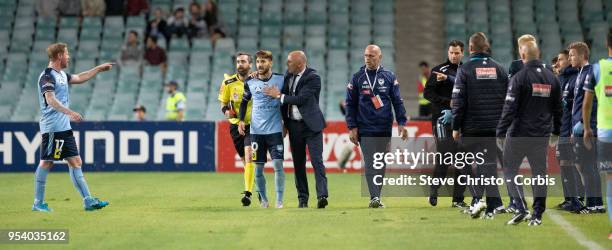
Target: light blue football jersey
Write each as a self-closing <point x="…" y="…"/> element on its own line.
<point x="52" y="120"/>
<point x="266" y="113"/>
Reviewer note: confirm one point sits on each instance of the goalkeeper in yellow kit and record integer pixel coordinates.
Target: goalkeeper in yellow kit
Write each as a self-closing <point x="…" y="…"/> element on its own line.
<point x="230" y="97"/>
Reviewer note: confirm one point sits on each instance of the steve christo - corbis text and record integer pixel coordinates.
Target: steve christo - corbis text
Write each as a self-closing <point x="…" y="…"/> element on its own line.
<point x="401" y="158"/>
<point x="427" y="180"/>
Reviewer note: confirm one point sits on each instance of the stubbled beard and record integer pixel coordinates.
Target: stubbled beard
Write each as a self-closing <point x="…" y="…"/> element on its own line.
<point x="264" y="71"/>
<point x="243" y="72"/>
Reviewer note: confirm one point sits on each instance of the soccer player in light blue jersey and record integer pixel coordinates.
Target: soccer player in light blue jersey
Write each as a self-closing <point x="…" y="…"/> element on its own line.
<point x="267" y="129"/>
<point x="58" y="143"/>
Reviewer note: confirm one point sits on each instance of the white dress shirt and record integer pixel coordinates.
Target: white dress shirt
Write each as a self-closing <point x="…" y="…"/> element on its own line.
<point x="294" y="112"/>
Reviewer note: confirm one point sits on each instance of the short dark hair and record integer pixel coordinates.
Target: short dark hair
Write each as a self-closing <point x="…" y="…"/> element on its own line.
<point x="134" y="32"/>
<point x="423" y="64"/>
<point x="241" y="53"/>
<point x="554" y="59"/>
<point x="479" y="42"/>
<point x="265" y="54"/>
<point x="564" y="51"/>
<point x="455" y="43"/>
<point x="153" y="38"/>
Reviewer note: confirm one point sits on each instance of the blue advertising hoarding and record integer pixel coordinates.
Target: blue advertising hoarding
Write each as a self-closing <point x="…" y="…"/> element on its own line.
<point x="117" y="146"/>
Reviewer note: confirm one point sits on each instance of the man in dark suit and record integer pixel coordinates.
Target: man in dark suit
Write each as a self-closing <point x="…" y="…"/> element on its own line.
<point x="305" y="123"/>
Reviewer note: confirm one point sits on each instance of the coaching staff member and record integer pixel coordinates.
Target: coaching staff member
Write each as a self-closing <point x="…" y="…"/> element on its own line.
<point x="438" y="91"/>
<point x="305" y="122"/>
<point x="478" y="99"/>
<point x="531" y="112"/>
<point x="371" y="97"/>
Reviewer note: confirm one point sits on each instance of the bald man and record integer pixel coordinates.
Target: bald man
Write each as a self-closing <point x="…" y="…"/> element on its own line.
<point x="304" y="122"/>
<point x="532" y="110"/>
<point x="371" y="97"/>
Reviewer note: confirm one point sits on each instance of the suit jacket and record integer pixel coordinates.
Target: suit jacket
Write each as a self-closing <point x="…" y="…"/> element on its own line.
<point x="306" y="99"/>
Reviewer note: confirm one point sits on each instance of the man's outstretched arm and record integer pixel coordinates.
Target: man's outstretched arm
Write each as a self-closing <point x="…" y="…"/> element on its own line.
<point x="85" y="76"/>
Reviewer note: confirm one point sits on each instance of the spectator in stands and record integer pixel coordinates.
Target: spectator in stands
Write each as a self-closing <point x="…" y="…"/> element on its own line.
<point x="131" y="52"/>
<point x="157" y="26"/>
<point x="137" y="7"/>
<point x="115" y="7"/>
<point x="211" y="17"/>
<point x="177" y="23"/>
<point x="197" y="25"/>
<point x="154" y="55"/>
<point x="175" y="104"/>
<point x="47" y="8"/>
<point x="140" y="113"/>
<point x="70" y="7"/>
<point x="93" y="7"/>
<point x="424" y="104"/>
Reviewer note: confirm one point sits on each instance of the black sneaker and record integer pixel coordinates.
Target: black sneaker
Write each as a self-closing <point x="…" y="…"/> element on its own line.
<point x="488" y="216"/>
<point x="459" y="204"/>
<point x="535" y="222"/>
<point x="246" y="199"/>
<point x="375" y="203"/>
<point x="563" y="205"/>
<point x="322" y="202"/>
<point x="511" y="208"/>
<point x="517" y="218"/>
<point x="499" y="210"/>
<point x="433" y="201"/>
<point x="590" y="210"/>
<point x="573" y="206"/>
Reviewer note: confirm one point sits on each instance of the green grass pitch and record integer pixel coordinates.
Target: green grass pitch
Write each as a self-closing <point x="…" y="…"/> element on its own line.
<point x="203" y="211"/>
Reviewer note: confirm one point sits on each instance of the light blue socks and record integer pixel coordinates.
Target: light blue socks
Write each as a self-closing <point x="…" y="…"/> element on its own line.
<point x="279" y="179"/>
<point x="40" y="180"/>
<point x="260" y="181"/>
<point x="76" y="175"/>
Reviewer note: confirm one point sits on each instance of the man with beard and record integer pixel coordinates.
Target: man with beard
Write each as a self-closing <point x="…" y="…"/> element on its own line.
<point x="572" y="182"/>
<point x="58" y="142"/>
<point x="267" y="128"/>
<point x="230" y="97"/>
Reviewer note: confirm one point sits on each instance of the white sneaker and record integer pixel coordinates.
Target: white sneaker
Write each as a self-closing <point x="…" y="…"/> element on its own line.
<point x="264" y="204"/>
<point x="279" y="204"/>
<point x="478" y="208"/>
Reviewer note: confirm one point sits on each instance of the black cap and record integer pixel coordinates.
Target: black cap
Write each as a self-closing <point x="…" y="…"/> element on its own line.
<point x="139" y="107"/>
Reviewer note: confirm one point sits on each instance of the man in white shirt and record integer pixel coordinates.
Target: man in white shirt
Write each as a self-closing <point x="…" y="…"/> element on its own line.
<point x="305" y="123"/>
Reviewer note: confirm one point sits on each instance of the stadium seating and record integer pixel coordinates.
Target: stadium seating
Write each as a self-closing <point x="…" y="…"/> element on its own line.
<point x="556" y="23"/>
<point x="332" y="32"/>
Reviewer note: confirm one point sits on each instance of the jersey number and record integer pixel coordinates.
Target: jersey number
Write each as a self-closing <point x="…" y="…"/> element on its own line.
<point x="59" y="144"/>
<point x="255" y="146"/>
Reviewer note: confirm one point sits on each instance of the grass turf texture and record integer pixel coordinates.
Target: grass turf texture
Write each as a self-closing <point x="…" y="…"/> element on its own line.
<point x="203" y="211"/>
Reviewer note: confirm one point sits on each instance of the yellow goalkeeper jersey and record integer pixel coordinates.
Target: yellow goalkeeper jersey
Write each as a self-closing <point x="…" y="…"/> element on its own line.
<point x="230" y="92"/>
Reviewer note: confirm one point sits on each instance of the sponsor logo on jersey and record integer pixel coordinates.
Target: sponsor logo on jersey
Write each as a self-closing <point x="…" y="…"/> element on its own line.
<point x="541" y="90"/>
<point x="486" y="73"/>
